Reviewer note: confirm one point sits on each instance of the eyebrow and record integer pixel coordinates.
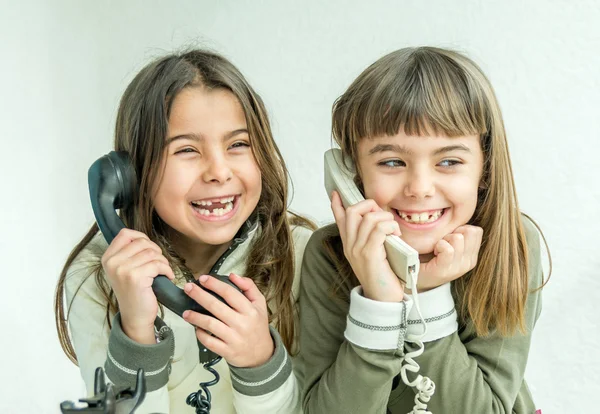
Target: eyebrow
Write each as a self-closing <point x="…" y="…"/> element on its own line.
<point x="389" y="147"/>
<point x="200" y="137"/>
<point x="403" y="150"/>
<point x="449" y="148"/>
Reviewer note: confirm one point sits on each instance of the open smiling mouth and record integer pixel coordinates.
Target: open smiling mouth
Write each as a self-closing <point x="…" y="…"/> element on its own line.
<point x="425" y="217"/>
<point x="215" y="207"/>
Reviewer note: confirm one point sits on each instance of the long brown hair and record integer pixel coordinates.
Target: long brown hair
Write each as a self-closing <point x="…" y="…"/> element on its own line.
<point x="141" y="128"/>
<point x="427" y="91"/>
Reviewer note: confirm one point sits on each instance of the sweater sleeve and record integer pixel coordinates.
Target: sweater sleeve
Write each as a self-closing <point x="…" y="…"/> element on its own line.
<point x="269" y="388"/>
<point x="475" y="374"/>
<point x="86" y="308"/>
<point x="275" y="386"/>
<point x="350" y="353"/>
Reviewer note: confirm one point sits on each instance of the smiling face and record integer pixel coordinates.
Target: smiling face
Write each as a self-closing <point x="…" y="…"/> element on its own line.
<point x="210" y="182"/>
<point x="429" y="183"/>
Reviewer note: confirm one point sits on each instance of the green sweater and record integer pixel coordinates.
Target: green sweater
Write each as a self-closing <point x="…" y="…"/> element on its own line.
<point x="351" y="349"/>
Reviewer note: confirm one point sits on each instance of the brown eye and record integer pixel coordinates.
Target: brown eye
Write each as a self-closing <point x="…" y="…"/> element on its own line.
<point x="185" y="151"/>
<point x="450" y="163"/>
<point x="392" y="163"/>
<point x="240" y="144"/>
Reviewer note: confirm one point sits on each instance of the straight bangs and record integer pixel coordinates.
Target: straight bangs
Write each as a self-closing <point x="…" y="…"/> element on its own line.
<point x="429" y="91"/>
<point x="422" y="91"/>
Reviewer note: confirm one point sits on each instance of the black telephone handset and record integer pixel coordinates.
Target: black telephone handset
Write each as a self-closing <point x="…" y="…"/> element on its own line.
<point x="112" y="184"/>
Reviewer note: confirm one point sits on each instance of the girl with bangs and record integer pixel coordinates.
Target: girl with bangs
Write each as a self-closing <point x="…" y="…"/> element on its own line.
<point x="212" y="200"/>
<point x="424" y="129"/>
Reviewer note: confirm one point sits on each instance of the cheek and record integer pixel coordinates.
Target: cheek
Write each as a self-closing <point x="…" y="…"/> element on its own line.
<point x="252" y="184"/>
<point x="250" y="175"/>
<point x="379" y="188"/>
<point x="377" y="193"/>
<point x="463" y="196"/>
<point x="174" y="183"/>
<point x="370" y="183"/>
<point x="256" y="183"/>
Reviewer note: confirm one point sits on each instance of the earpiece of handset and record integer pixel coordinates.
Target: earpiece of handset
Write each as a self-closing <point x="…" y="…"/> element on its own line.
<point x="112" y="185"/>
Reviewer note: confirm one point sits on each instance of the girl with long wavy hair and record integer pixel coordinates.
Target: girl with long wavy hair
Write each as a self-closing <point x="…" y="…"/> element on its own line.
<point x="213" y="194"/>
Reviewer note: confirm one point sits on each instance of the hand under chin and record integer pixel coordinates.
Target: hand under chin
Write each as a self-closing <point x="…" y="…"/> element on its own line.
<point x="424" y="258"/>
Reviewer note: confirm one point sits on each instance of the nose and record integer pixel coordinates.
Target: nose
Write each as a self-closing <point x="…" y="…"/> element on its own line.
<point x="216" y="169"/>
<point x="420" y="185"/>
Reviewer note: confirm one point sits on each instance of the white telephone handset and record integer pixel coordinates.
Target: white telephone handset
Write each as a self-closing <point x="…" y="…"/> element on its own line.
<point x="404" y="261"/>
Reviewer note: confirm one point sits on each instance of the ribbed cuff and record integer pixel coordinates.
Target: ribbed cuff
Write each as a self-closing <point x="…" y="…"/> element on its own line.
<point x="437" y="308"/>
<point x="267" y="377"/>
<point x="126" y="356"/>
<point x="376" y="325"/>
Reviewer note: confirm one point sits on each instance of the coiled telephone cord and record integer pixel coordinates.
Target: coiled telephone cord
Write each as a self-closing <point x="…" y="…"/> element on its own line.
<point x="202" y="401"/>
<point x="424" y="386"/>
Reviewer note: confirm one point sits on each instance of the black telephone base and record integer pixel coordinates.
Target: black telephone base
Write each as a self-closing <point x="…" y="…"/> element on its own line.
<point x="108" y="399"/>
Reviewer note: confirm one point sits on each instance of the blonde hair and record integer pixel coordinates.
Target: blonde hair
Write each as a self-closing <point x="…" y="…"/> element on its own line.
<point x="141" y="128"/>
<point x="426" y="91"/>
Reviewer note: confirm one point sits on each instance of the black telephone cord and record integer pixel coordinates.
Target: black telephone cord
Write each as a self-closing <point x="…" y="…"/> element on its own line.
<point x="202" y="402"/>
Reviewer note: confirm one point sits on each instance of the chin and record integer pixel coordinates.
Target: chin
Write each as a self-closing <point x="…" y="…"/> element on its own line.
<point x="217" y="238"/>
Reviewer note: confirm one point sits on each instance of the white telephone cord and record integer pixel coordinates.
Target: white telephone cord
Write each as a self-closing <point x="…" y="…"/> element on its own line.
<point x="425" y="387"/>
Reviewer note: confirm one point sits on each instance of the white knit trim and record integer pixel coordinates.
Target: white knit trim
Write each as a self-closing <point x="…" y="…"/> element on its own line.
<point x="376" y="325"/>
<point x="134" y="372"/>
<point x="438" y="310"/>
<point x="263" y="382"/>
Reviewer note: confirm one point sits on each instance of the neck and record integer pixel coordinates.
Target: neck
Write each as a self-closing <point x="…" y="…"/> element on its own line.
<point x="199" y="257"/>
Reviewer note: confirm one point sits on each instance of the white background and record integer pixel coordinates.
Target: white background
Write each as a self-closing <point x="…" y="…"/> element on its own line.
<point x="64" y="65"/>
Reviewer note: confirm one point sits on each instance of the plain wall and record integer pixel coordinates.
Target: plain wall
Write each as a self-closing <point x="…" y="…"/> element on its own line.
<point x="64" y="65"/>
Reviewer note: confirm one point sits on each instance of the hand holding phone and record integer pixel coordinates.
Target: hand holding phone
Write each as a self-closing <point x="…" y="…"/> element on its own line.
<point x="238" y="332"/>
<point x="339" y="176"/>
<point x="363" y="228"/>
<point x="131" y="263"/>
